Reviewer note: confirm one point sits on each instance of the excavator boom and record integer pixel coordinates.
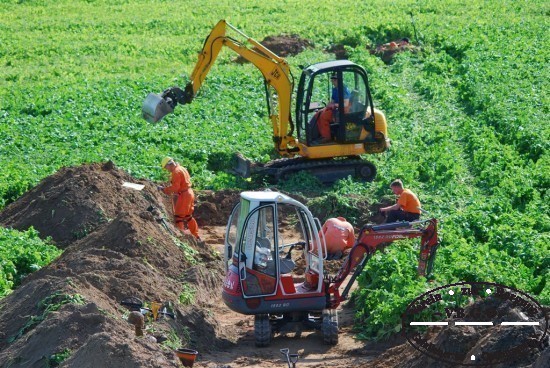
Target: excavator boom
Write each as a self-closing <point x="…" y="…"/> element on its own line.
<point x="275" y="70"/>
<point x="370" y="237"/>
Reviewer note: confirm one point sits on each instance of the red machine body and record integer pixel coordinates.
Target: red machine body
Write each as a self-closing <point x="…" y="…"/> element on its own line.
<point x="292" y="291"/>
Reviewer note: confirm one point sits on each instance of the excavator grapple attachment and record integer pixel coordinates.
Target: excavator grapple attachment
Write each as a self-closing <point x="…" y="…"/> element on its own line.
<point x="155" y="108"/>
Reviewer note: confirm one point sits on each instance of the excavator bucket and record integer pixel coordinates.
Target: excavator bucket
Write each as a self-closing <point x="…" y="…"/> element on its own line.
<point x="155" y="108"/>
<point x="242" y="166"/>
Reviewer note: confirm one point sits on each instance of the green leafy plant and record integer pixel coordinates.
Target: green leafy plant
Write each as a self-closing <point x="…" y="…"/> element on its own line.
<point x="187" y="295"/>
<point x="56" y="359"/>
<point x="49" y="304"/>
<point x="189" y="253"/>
<point x="22" y="253"/>
<point x="173" y="341"/>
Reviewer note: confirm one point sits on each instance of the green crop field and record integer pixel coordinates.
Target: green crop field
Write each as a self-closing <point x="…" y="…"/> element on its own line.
<point x="468" y="115"/>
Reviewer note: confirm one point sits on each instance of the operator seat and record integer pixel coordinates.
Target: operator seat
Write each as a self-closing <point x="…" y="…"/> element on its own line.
<point x="355" y="103"/>
<point x="286" y="265"/>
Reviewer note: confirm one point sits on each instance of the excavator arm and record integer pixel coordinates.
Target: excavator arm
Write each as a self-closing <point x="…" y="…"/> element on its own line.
<point x="275" y="70"/>
<point x="370" y="237"/>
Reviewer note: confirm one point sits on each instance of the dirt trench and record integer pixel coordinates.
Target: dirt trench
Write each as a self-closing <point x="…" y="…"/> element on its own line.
<point x="120" y="243"/>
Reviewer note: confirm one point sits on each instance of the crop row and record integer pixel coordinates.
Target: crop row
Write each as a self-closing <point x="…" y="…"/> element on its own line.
<point x="22" y="253"/>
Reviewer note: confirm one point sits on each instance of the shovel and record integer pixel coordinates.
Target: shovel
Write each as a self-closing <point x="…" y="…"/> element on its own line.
<point x="290" y="358"/>
<point x="162" y="220"/>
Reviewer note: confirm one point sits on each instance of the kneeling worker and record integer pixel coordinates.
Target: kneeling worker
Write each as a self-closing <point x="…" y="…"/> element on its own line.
<point x="339" y="236"/>
<point x="407" y="207"/>
<point x="184" y="197"/>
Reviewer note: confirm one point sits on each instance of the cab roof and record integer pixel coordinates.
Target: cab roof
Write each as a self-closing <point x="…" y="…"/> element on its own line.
<point x="265" y="196"/>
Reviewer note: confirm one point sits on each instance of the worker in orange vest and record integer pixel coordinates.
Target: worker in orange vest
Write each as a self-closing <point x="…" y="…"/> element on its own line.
<point x="339" y="236"/>
<point x="407" y="207"/>
<point x="327" y="115"/>
<point x="184" y="197"/>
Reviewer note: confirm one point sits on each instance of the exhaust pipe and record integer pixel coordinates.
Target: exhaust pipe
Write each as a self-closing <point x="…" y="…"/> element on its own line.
<point x="155" y="107"/>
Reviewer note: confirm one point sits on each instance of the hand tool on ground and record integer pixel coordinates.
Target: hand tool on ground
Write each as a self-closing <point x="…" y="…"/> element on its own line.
<point x="159" y="218"/>
<point x="290" y="358"/>
<point x="157" y="308"/>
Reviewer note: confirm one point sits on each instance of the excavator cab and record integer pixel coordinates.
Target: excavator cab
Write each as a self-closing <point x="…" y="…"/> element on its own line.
<point x="274" y="265"/>
<point x="263" y="231"/>
<point x="319" y="90"/>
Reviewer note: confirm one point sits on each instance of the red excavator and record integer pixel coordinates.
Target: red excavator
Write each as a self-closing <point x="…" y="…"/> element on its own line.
<point x="288" y="291"/>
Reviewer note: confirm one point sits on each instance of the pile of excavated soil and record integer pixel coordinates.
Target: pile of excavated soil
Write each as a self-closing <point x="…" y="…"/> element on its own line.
<point x="339" y="51"/>
<point x="213" y="208"/>
<point x="115" y="248"/>
<point x="283" y="45"/>
<point x="387" y="51"/>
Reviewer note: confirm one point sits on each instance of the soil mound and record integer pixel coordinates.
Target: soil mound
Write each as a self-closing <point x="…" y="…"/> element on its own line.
<point x="283" y="45"/>
<point x="339" y="51"/>
<point x="387" y="51"/>
<point x="117" y="245"/>
<point x="77" y="200"/>
<point x="214" y="207"/>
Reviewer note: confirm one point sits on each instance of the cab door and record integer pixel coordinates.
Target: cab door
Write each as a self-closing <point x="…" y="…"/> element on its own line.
<point x="231" y="235"/>
<point x="257" y="264"/>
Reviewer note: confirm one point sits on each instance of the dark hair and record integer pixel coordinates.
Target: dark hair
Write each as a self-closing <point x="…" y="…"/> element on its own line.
<point x="405" y="39"/>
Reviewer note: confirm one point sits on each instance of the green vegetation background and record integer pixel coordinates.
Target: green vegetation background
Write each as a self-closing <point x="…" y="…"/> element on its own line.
<point x="468" y="116"/>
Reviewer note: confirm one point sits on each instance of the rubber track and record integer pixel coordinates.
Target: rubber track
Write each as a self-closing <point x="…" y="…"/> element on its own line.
<point x="329" y="327"/>
<point x="262" y="330"/>
<point x="287" y="166"/>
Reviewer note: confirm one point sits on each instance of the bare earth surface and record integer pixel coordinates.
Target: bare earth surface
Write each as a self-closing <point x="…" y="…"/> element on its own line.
<point x="117" y="246"/>
<point x="119" y="243"/>
<point x="308" y="345"/>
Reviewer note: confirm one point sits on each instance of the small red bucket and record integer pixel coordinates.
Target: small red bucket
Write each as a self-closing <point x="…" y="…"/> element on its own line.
<point x="186" y="356"/>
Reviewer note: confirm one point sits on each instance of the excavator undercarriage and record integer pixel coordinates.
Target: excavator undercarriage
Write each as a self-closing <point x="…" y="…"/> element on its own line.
<point x="326" y="170"/>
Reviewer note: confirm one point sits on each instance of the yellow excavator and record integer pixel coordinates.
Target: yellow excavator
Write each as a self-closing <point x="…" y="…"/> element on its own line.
<point x="330" y="152"/>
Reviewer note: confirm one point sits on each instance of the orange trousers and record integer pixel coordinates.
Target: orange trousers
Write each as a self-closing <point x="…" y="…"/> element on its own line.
<point x="184" y="206"/>
<point x="324" y="118"/>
